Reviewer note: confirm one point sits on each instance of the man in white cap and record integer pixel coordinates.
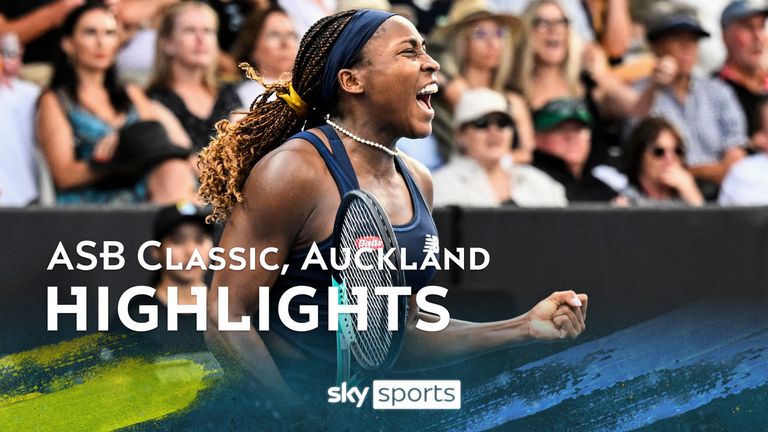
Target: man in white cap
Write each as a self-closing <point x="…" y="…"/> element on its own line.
<point x="745" y="37"/>
<point x="483" y="174"/>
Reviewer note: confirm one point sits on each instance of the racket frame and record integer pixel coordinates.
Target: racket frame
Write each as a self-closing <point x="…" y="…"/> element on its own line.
<point x="345" y="335"/>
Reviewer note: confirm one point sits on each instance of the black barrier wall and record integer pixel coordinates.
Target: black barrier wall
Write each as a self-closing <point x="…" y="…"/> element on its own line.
<point x="634" y="263"/>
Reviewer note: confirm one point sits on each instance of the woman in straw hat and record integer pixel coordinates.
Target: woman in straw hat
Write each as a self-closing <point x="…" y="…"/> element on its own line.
<point x="481" y="55"/>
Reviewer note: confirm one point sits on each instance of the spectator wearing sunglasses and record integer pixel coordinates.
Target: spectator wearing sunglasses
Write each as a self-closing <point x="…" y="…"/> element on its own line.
<point x="656" y="166"/>
<point x="484" y="174"/>
<point x="563" y="142"/>
<point x="481" y="55"/>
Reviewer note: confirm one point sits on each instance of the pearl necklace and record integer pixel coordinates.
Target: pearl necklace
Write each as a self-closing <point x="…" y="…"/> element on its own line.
<point x="361" y="140"/>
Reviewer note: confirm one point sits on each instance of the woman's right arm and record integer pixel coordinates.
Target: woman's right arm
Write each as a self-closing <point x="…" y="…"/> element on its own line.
<point x="150" y="109"/>
<point x="522" y="116"/>
<point x="278" y="200"/>
<point x="56" y="138"/>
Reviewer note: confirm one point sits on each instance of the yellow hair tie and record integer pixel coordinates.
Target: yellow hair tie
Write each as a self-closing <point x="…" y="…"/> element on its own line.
<point x="295" y="101"/>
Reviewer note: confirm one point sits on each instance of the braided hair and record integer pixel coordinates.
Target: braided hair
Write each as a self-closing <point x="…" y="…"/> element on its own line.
<point x="238" y="146"/>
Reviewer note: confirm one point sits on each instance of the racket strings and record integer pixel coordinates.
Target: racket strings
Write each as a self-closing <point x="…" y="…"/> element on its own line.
<point x="370" y="347"/>
<point x="373" y="343"/>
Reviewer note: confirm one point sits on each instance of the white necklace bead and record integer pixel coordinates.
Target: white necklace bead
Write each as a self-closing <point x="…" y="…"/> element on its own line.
<point x="362" y="140"/>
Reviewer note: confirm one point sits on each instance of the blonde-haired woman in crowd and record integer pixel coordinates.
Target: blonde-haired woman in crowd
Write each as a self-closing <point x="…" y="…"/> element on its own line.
<point x="552" y="60"/>
<point x="185" y="78"/>
<point x="481" y="55"/>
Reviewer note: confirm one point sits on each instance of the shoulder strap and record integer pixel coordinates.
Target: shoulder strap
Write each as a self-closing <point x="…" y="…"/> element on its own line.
<point x="337" y="171"/>
<point x="340" y="154"/>
<point x="413" y="187"/>
<point x="65" y="100"/>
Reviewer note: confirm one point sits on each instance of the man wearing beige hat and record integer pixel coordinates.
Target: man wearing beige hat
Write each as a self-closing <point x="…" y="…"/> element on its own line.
<point x="483" y="174"/>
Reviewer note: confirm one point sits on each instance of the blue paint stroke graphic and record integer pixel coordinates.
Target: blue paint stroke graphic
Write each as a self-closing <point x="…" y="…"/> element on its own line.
<point x="632" y="378"/>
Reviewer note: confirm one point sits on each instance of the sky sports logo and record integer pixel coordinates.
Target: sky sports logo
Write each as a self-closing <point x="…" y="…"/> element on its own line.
<point x="401" y="394"/>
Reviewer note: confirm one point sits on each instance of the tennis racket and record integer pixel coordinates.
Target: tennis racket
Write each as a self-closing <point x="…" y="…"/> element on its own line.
<point x="362" y="223"/>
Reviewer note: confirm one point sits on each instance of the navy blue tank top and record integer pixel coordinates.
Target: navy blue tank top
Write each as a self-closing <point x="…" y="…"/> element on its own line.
<point x="418" y="238"/>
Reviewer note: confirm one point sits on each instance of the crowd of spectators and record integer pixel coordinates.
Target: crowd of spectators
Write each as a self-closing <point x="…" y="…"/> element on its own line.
<point x="542" y="102"/>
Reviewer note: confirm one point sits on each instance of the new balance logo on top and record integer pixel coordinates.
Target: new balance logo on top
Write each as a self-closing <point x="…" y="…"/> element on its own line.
<point x="431" y="244"/>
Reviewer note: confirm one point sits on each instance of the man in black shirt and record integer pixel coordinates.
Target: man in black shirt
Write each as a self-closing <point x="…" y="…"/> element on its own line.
<point x="745" y="38"/>
<point x="563" y="141"/>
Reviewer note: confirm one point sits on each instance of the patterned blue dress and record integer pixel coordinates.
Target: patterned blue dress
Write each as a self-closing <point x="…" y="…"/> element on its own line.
<point x="88" y="131"/>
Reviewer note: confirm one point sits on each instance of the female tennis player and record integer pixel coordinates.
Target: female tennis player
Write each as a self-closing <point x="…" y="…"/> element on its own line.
<point x="362" y="79"/>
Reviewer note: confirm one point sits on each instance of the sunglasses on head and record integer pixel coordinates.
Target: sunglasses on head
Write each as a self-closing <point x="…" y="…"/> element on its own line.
<point x="659" y="152"/>
<point x="501" y="121"/>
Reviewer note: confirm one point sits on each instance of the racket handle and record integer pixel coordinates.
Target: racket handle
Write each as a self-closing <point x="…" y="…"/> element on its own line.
<point x="343" y="358"/>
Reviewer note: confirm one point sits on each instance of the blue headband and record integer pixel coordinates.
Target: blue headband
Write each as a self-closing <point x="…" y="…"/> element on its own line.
<point x="352" y="39"/>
